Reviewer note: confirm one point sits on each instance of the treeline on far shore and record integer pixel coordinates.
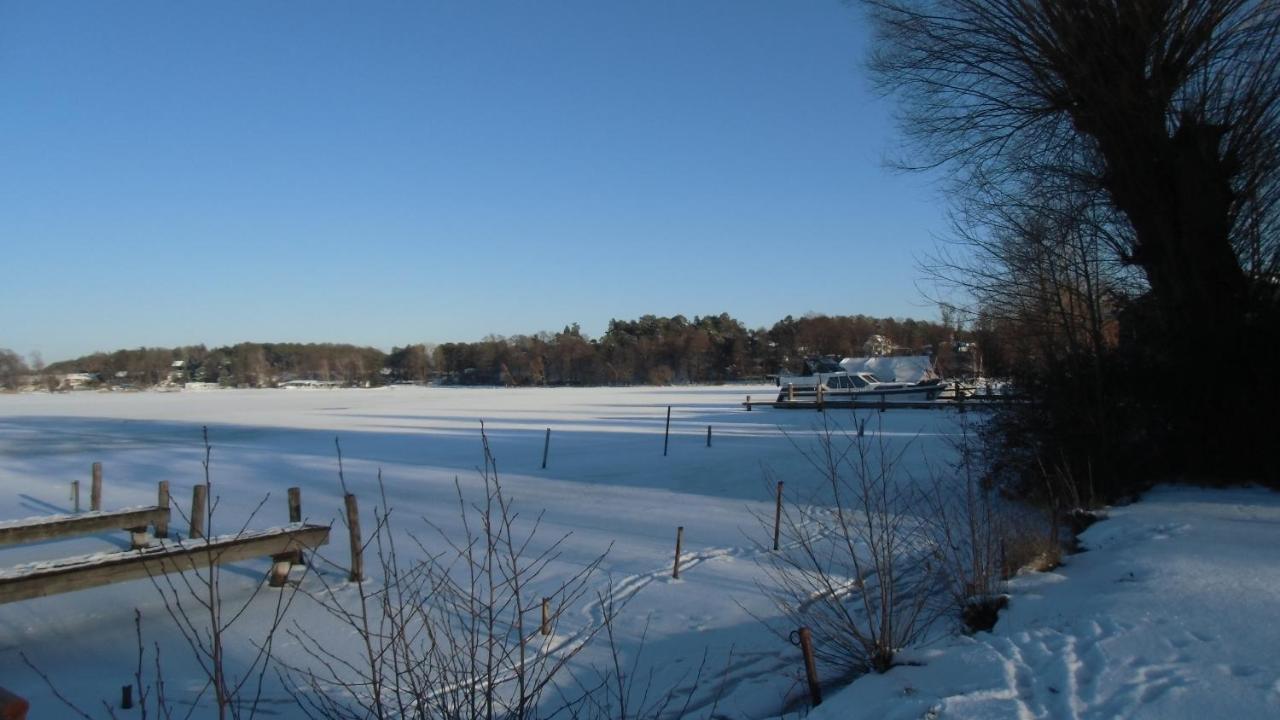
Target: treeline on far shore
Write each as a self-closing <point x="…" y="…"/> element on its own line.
<point x="649" y="350"/>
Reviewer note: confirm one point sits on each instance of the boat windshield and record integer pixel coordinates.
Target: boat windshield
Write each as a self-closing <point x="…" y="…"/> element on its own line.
<point x="858" y="381"/>
<point x="871" y="378"/>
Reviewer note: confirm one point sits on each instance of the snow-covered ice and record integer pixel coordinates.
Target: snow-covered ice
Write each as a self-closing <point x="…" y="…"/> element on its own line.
<point x="1168" y="614"/>
<point x="607" y="483"/>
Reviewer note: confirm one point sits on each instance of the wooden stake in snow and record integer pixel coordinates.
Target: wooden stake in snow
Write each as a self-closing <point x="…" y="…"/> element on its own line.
<point x="75" y="494"/>
<point x="810" y="667"/>
<point x="675" y="568"/>
<point x="791" y="392"/>
<point x="708" y="436"/>
<point x="162" y="500"/>
<point x="357" y="550"/>
<point x="199" y="497"/>
<point x="748" y="403"/>
<point x="126" y="697"/>
<point x="667" y="434"/>
<point x="95" y="489"/>
<point x="546" y="616"/>
<point x="777" y="517"/>
<point x="818" y="389"/>
<point x="546" y="446"/>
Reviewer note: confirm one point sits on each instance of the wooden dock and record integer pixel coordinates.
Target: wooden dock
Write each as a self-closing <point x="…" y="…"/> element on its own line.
<point x="51" y="527"/>
<point x="86" y="571"/>
<point x="812" y="404"/>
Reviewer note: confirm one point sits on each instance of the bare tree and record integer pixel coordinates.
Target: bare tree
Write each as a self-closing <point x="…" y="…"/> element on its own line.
<point x="1158" y="123"/>
<point x="11" y="368"/>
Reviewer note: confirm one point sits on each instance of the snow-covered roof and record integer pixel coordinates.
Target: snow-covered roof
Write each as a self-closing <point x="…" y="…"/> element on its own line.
<point x="893" y="368"/>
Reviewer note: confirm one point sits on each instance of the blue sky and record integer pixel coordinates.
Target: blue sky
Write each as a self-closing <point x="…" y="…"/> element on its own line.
<point x="388" y="173"/>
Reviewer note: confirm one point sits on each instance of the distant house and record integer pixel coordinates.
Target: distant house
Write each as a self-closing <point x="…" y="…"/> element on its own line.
<point x="177" y="371"/>
<point x="74" y="381"/>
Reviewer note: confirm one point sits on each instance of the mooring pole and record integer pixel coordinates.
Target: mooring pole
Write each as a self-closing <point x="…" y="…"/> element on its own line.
<point x="777" y="517"/>
<point x="546" y="446"/>
<point x="675" y="568"/>
<point x="95" y="489"/>
<point x="199" y="496"/>
<point x="162" y="499"/>
<point x="810" y="667"/>
<point x="666" y="435"/>
<point x="295" y="516"/>
<point x="357" y="548"/>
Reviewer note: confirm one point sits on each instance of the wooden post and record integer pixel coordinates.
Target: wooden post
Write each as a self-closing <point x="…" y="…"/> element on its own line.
<point x="708" y="436"/>
<point x="75" y="494"/>
<point x="138" y="538"/>
<point x="777" y="517"/>
<point x="295" y="516"/>
<point x="666" y="435"/>
<point x="546" y="616"/>
<point x="675" y="568"/>
<point x="748" y="403"/>
<point x="546" y="447"/>
<point x="126" y="697"/>
<point x="810" y="667"/>
<point x="12" y="707"/>
<point x="199" y="496"/>
<point x="295" y="505"/>
<point x="95" y="490"/>
<point x="280" y="566"/>
<point x="353" y="527"/>
<point x="818" y="391"/>
<point x="162" y="500"/>
<point x="791" y="392"/>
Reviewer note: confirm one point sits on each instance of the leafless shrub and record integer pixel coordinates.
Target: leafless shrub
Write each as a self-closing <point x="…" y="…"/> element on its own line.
<point x="968" y="527"/>
<point x="195" y="602"/>
<point x="856" y="570"/>
<point x="456" y="634"/>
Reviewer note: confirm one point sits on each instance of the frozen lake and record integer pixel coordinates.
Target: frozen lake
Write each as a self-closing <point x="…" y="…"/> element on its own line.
<point x="607" y="483"/>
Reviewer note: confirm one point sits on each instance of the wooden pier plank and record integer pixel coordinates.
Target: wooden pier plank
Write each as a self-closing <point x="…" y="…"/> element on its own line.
<point x="88" y="571"/>
<point x="61" y="526"/>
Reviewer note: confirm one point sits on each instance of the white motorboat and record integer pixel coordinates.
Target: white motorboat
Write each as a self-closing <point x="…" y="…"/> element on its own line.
<point x="842" y="385"/>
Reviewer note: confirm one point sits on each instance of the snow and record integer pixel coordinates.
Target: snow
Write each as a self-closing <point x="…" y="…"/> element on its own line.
<point x="1168" y="614"/>
<point x="893" y="368"/>
<point x="607" y="482"/>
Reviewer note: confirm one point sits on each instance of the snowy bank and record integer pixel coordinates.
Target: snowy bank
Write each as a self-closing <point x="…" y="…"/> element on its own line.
<point x="1170" y="613"/>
